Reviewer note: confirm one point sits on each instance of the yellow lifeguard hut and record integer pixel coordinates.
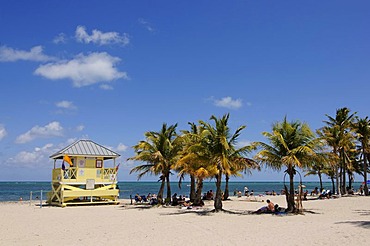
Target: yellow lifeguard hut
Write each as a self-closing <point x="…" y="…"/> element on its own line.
<point x="86" y="180"/>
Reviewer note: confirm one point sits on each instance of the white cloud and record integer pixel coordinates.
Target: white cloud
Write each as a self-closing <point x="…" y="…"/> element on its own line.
<point x="129" y="164"/>
<point x="38" y="156"/>
<point x="2" y="132"/>
<point x="146" y="24"/>
<point x="84" y="70"/>
<point x="121" y="147"/>
<point x="35" y="54"/>
<point x="68" y="142"/>
<point x="80" y="128"/>
<point x="106" y="87"/>
<point x="66" y="105"/>
<point x="50" y="130"/>
<point x="61" y="38"/>
<point x="228" y="102"/>
<point x="243" y="143"/>
<point x="100" y="38"/>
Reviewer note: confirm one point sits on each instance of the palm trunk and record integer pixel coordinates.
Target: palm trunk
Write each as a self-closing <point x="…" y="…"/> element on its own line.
<point x="226" y="193"/>
<point x="286" y="194"/>
<point x="344" y="172"/>
<point x="337" y="191"/>
<point x="290" y="194"/>
<point x="320" y="178"/>
<point x="350" y="178"/>
<point x="168" y="198"/>
<point x="198" y="194"/>
<point x="192" y="188"/>
<point x="218" y="198"/>
<point x="332" y="183"/>
<point x="161" y="189"/>
<point x="366" y="189"/>
<point x="341" y="178"/>
<point x="337" y="181"/>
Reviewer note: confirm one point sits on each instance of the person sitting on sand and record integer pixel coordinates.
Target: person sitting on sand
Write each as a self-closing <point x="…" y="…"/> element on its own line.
<point x="149" y="196"/>
<point x="315" y="192"/>
<point x="187" y="204"/>
<point x="361" y="190"/>
<point x="328" y="194"/>
<point x="239" y="194"/>
<point x="153" y="200"/>
<point x="143" y="198"/>
<point x="270" y="208"/>
<point x="210" y="195"/>
<point x="138" y="198"/>
<point x="175" y="200"/>
<point x="305" y="195"/>
<point x="325" y="194"/>
<point x="279" y="210"/>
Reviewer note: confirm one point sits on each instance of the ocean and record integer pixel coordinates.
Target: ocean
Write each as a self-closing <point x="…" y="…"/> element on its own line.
<point x="13" y="191"/>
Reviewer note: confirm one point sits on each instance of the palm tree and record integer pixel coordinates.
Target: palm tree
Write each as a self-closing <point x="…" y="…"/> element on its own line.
<point x="159" y="151"/>
<point x="353" y="165"/>
<point x="322" y="164"/>
<point x="223" y="154"/>
<point x="291" y="145"/>
<point x="362" y="129"/>
<point x="190" y="139"/>
<point x="193" y="160"/>
<point x="338" y="130"/>
<point x="316" y="169"/>
<point x="194" y="165"/>
<point x="240" y="165"/>
<point x="330" y="136"/>
<point x="331" y="173"/>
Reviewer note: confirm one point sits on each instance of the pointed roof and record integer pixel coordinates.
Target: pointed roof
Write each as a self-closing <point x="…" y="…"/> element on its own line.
<point x="86" y="148"/>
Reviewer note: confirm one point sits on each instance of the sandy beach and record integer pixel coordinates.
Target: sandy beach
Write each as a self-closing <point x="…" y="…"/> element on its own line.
<point x="340" y="221"/>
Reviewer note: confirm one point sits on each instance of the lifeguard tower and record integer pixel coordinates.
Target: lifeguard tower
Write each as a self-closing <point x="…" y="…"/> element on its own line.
<point x="86" y="179"/>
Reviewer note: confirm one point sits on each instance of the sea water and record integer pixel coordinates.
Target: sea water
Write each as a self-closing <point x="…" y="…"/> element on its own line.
<point x="14" y="191"/>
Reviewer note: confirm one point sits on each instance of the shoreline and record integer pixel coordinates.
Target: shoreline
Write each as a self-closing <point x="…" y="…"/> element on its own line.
<point x="14" y="191"/>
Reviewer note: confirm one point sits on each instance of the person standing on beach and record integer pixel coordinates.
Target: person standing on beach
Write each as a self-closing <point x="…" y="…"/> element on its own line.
<point x="246" y="191"/>
<point x="361" y="190"/>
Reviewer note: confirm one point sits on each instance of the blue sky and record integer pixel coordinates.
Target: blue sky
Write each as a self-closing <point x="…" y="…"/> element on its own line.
<point x="110" y="71"/>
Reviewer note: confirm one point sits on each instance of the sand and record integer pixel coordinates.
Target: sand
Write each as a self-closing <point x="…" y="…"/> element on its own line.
<point x="343" y="221"/>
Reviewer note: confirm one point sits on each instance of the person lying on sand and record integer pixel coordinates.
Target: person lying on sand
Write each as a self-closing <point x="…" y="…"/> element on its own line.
<point x="270" y="208"/>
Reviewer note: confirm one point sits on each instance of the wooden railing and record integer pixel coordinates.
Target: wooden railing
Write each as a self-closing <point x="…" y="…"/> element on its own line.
<point x="80" y="175"/>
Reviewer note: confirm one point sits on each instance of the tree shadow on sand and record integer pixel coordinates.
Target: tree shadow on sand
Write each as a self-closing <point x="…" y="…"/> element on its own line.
<point x="207" y="212"/>
<point x="305" y="211"/>
<point x="137" y="207"/>
<point x="360" y="223"/>
<point x="363" y="212"/>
